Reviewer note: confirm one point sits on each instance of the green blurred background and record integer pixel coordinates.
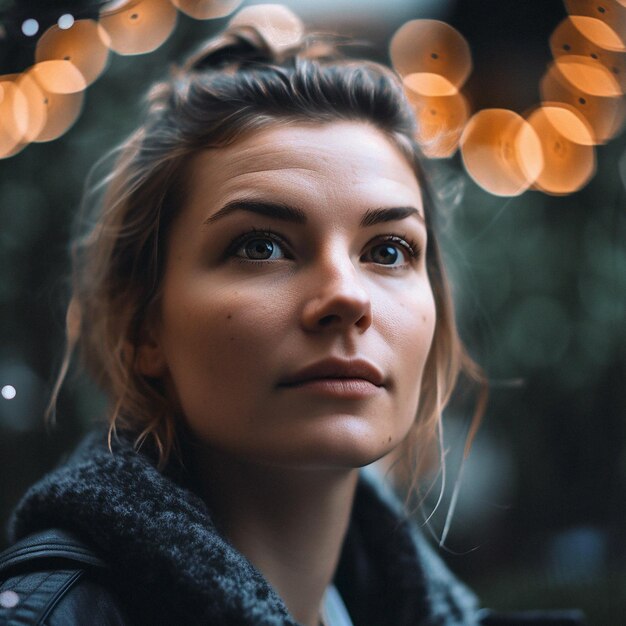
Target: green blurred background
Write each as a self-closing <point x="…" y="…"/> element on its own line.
<point x="540" y="286"/>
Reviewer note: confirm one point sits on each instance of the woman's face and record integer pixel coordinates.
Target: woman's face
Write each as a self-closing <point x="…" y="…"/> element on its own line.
<point x="296" y="312"/>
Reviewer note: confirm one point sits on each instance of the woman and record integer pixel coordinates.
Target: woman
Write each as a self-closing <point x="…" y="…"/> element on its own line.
<point x="262" y="298"/>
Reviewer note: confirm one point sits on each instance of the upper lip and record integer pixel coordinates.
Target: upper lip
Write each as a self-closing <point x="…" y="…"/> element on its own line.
<point x="336" y="368"/>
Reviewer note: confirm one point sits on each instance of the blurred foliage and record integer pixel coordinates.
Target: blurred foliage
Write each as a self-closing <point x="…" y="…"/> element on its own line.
<point x="540" y="287"/>
<point x="540" y="284"/>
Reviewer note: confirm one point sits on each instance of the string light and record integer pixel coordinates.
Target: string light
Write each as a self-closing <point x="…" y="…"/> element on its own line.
<point x="433" y="47"/>
<point x="441" y="112"/>
<point x="588" y="76"/>
<point x="35" y="107"/>
<point x="568" y="39"/>
<point x="604" y="115"/>
<point x="582" y="101"/>
<point x="12" y="119"/>
<point x="8" y="392"/>
<point x="85" y="45"/>
<point x="62" y="111"/>
<point x="609" y="11"/>
<point x="138" y="27"/>
<point x="280" y="27"/>
<point x="501" y="152"/>
<point x="30" y="27"/>
<point x="206" y="9"/>
<point x="582" y="91"/>
<point x="568" y="165"/>
<point x="50" y="114"/>
<point x="567" y="121"/>
<point x="65" y="21"/>
<point x="58" y="76"/>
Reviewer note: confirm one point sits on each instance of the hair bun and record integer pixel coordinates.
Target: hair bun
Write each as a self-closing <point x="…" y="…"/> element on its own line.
<point x="263" y="32"/>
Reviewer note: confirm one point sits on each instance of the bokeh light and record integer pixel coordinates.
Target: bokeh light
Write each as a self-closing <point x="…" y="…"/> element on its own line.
<point x="25" y="394"/>
<point x="59" y="76"/>
<point x="207" y="9"/>
<point x="65" y="21"/>
<point x="86" y="45"/>
<point x="426" y="84"/>
<point x="587" y="75"/>
<point x="13" y="121"/>
<point x="605" y="114"/>
<point x="501" y="152"/>
<point x="50" y="114"/>
<point x="570" y="122"/>
<point x="612" y="12"/>
<point x="138" y="26"/>
<point x="8" y="392"/>
<point x="440" y="121"/>
<point x="433" y="47"/>
<point x="30" y="27"/>
<point x="62" y="111"/>
<point x="280" y="28"/>
<point x="567" y="39"/>
<point x="568" y="166"/>
<point x="35" y="111"/>
<point x="582" y="91"/>
<point x="598" y="32"/>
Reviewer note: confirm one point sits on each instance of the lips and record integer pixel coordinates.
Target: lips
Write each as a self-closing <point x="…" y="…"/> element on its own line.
<point x="336" y="369"/>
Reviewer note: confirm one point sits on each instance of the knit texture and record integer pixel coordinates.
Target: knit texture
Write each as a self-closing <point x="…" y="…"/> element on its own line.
<point x="170" y="565"/>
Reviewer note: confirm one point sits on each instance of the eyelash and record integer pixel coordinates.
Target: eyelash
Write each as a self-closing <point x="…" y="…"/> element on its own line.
<point x="411" y="247"/>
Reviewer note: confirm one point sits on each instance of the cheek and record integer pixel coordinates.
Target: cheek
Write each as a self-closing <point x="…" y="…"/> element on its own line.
<point x="410" y="321"/>
<point x="410" y="326"/>
<point x="212" y="342"/>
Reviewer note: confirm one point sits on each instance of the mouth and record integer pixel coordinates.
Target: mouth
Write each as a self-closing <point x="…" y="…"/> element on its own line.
<point x="334" y="373"/>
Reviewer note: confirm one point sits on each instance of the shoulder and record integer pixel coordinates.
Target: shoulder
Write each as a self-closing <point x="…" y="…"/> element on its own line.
<point x="54" y="579"/>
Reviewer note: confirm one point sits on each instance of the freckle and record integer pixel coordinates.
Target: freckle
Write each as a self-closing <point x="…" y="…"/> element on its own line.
<point x="389" y="439"/>
<point x="424" y="319"/>
<point x="229" y="316"/>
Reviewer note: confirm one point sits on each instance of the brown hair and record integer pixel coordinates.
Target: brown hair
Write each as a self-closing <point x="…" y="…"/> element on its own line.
<point x="235" y="84"/>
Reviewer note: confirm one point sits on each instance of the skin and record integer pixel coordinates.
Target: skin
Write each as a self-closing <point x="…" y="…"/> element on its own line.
<point x="231" y="329"/>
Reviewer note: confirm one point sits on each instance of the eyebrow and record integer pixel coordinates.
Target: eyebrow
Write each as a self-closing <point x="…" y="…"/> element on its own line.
<point x="287" y="213"/>
<point x="276" y="210"/>
<point x="376" y="216"/>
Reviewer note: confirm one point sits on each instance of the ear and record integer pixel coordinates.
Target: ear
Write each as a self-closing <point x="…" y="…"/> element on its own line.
<point x="150" y="360"/>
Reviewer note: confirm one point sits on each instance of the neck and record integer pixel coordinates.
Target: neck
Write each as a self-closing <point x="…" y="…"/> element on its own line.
<point x="289" y="523"/>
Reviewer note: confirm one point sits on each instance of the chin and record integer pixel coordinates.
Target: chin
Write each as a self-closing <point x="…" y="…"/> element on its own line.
<point x="349" y="444"/>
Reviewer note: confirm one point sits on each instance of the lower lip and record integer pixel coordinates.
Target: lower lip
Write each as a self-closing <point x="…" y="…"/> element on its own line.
<point x="350" y="388"/>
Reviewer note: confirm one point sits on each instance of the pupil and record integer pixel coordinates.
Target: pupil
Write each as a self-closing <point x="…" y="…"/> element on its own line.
<point x="260" y="249"/>
<point x="387" y="254"/>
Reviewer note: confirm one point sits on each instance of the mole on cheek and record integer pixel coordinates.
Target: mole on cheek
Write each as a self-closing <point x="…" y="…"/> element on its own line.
<point x="229" y="316"/>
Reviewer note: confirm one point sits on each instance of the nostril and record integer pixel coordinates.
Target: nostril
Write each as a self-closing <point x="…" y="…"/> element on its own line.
<point x="327" y="320"/>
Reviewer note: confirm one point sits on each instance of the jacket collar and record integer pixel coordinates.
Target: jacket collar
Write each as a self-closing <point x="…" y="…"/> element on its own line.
<point x="171" y="565"/>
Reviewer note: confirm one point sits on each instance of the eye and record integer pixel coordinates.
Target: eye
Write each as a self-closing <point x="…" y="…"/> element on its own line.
<point x="258" y="246"/>
<point x="385" y="254"/>
<point x="393" y="251"/>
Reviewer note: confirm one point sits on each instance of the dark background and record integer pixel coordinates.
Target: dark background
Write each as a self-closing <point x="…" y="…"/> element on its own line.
<point x="540" y="285"/>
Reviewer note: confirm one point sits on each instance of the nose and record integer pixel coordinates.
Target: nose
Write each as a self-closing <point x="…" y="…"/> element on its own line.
<point x="336" y="298"/>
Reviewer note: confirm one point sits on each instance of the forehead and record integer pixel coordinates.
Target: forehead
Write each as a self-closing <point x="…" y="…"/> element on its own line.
<point x="331" y="162"/>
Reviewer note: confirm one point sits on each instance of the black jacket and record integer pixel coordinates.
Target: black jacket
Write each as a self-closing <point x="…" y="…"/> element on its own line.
<point x="120" y="543"/>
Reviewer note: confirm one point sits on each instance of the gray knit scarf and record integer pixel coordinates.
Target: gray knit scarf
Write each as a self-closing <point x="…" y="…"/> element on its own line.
<point x="170" y="565"/>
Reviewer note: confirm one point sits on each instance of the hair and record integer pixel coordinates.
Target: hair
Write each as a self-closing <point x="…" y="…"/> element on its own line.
<point x="236" y="84"/>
